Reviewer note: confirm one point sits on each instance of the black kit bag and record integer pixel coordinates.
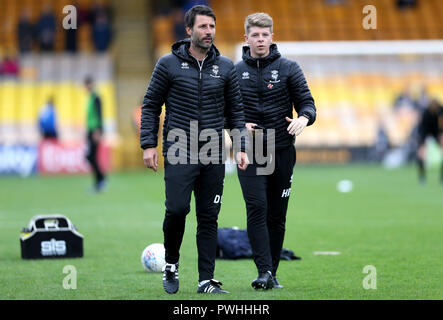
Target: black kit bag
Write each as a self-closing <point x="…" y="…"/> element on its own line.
<point x="233" y="243"/>
<point x="51" y="236"/>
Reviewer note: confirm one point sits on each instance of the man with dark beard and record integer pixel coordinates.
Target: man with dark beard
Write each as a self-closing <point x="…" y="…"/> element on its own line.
<point x="196" y="84"/>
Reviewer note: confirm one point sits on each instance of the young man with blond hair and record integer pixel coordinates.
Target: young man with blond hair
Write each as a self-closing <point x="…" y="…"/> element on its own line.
<point x="271" y="87"/>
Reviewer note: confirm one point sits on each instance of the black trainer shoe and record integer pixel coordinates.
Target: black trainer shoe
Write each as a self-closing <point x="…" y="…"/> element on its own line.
<point x="170" y="278"/>
<point x="212" y="286"/>
<point x="277" y="285"/>
<point x="264" y="281"/>
<point x="101" y="186"/>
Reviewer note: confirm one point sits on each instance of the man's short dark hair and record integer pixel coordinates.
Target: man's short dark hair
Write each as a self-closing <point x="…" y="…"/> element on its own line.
<point x="197" y="10"/>
<point x="88" y="80"/>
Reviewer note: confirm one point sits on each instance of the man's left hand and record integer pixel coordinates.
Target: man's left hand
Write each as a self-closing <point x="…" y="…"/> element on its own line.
<point x="242" y="160"/>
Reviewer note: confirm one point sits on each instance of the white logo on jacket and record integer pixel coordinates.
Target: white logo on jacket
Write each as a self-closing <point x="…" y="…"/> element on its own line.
<point x="274" y="76"/>
<point x="185" y="65"/>
<point x="245" y="75"/>
<point x="215" y="72"/>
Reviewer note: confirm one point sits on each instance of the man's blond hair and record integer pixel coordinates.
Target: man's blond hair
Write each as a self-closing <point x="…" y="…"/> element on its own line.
<point x="259" y="19"/>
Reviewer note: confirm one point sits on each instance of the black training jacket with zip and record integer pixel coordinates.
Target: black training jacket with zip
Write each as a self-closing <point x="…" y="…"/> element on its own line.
<point x="210" y="95"/>
<point x="271" y="87"/>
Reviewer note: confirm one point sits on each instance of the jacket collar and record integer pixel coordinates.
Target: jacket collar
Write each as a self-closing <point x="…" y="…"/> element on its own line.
<point x="273" y="55"/>
<point x="181" y="50"/>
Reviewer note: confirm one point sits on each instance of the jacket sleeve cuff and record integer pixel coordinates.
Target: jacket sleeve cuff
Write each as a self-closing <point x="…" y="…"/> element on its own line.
<point x="308" y="115"/>
<point x="148" y="145"/>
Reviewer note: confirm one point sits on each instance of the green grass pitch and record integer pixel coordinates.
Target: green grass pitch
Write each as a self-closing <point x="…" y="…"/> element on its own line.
<point x="388" y="221"/>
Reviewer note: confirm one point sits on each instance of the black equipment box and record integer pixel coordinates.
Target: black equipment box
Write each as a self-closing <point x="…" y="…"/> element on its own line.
<point x="51" y="236"/>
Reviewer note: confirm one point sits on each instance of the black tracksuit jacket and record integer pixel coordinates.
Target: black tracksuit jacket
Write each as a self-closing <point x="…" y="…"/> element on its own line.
<point x="271" y="87"/>
<point x="210" y="96"/>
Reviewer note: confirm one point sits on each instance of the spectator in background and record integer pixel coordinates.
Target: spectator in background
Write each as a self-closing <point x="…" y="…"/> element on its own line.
<point x="71" y="34"/>
<point x="71" y="40"/>
<point x="99" y="8"/>
<point x="423" y="100"/>
<point x="404" y="100"/>
<point x="94" y="125"/>
<point x="382" y="144"/>
<point x="84" y="16"/>
<point x="9" y="67"/>
<point x="101" y="32"/>
<point x="163" y="7"/>
<point x="404" y="4"/>
<point x="46" y="29"/>
<point x="188" y="4"/>
<point x="178" y="17"/>
<point x="430" y="125"/>
<point x="48" y="120"/>
<point x="335" y="2"/>
<point x="25" y="32"/>
<point x="406" y="111"/>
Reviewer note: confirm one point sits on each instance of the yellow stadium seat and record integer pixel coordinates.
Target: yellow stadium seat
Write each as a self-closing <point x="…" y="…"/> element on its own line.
<point x="63" y="102"/>
<point x="27" y="111"/>
<point x="9" y="102"/>
<point x="107" y="93"/>
<point x="79" y="105"/>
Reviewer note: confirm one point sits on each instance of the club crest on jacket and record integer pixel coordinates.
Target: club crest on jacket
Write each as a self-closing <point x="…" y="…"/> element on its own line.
<point x="215" y="72"/>
<point x="274" y="76"/>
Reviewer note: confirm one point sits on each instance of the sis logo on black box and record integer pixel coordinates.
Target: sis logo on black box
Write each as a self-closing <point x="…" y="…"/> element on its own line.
<point x="51" y="236"/>
<point x="53" y="248"/>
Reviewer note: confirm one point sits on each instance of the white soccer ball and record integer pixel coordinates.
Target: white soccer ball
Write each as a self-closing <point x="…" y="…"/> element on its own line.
<point x="345" y="186"/>
<point x="153" y="257"/>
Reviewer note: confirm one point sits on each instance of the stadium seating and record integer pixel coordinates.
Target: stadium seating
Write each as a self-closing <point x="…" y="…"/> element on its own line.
<point x="351" y="103"/>
<point x="56" y="75"/>
<point x="315" y="20"/>
<point x="59" y="77"/>
<point x="10" y="13"/>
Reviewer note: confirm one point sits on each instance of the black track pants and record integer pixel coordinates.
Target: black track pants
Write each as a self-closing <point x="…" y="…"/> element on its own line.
<point x="207" y="183"/>
<point x="92" y="157"/>
<point x="266" y="200"/>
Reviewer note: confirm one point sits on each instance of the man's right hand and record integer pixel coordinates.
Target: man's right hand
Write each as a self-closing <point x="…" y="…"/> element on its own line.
<point x="150" y="158"/>
<point x="250" y="126"/>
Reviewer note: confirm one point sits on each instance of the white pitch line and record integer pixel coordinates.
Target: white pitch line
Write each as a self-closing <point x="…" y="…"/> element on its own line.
<point x="325" y="253"/>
